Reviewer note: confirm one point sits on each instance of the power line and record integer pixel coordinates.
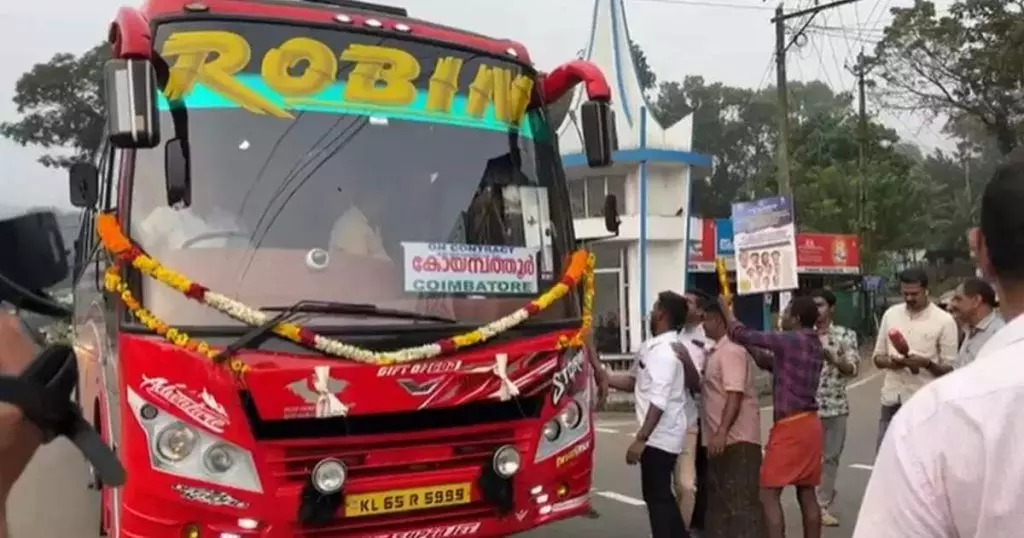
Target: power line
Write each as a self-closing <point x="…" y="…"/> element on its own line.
<point x="701" y="3"/>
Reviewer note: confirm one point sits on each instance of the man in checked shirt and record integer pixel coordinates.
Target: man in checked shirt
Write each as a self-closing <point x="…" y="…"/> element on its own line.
<point x="793" y="455"/>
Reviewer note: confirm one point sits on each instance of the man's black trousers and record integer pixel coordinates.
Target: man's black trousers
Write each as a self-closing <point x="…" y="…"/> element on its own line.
<point x="656" y="469"/>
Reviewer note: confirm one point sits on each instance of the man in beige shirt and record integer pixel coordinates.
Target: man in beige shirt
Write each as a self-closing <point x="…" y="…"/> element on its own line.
<point x="731" y="431"/>
<point x="931" y="335"/>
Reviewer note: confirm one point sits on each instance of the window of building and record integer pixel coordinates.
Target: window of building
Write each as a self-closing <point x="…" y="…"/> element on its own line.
<point x="611" y="320"/>
<point x="587" y="195"/>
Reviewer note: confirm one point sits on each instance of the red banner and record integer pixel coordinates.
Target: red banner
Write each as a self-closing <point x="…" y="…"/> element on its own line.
<point x="828" y="253"/>
<point x="702" y="243"/>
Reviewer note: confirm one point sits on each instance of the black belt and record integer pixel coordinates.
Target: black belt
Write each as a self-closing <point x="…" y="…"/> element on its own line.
<point x="43" y="392"/>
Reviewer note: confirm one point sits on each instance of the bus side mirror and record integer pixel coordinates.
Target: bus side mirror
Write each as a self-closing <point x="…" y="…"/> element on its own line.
<point x="178" y="172"/>
<point x="611" y="214"/>
<point x="84" y="183"/>
<point x="131" y="95"/>
<point x="599" y="140"/>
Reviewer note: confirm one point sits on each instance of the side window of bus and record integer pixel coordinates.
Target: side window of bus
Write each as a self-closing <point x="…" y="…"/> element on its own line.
<point x="87" y="244"/>
<point x="83" y="243"/>
<point x="110" y="179"/>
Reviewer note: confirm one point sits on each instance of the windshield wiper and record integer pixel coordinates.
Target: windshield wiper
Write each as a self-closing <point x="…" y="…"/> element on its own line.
<point x="355" y="309"/>
<point x="259" y="333"/>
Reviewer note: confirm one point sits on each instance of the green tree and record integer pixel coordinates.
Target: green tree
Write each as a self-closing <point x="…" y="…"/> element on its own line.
<point x="732" y="126"/>
<point x="967" y="64"/>
<point x="643" y="69"/>
<point x="738" y="127"/>
<point x="827" y="179"/>
<point x="61" y="107"/>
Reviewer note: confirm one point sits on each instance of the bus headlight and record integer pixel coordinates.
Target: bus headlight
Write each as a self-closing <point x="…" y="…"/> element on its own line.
<point x="551" y="430"/>
<point x="183" y="450"/>
<point x="175" y="442"/>
<point x="329" y="476"/>
<point x="571" y="415"/>
<point x="507" y="461"/>
<point x="218" y="458"/>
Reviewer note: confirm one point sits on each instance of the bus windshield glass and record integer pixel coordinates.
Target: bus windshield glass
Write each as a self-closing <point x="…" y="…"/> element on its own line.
<point x="340" y="166"/>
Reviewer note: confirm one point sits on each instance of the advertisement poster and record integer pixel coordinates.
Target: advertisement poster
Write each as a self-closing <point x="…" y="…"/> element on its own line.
<point x="702" y="245"/>
<point x="459" y="269"/>
<point x="764" y="239"/>
<point x="723" y="237"/>
<point x="828" y="253"/>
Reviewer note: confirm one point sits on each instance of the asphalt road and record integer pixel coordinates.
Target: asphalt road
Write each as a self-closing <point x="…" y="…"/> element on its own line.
<point x="51" y="499"/>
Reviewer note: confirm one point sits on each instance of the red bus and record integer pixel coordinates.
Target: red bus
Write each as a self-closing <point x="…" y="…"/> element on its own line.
<point x="387" y="195"/>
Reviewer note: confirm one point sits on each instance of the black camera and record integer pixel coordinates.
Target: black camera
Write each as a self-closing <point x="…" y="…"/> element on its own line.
<point x="34" y="259"/>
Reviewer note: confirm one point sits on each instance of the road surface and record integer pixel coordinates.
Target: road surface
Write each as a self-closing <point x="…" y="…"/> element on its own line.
<point x="51" y="499"/>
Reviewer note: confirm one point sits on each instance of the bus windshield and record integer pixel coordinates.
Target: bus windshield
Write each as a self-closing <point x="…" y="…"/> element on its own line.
<point x="340" y="166"/>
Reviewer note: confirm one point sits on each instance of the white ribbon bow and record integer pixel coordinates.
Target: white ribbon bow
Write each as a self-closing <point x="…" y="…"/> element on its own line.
<point x="327" y="404"/>
<point x="508" y="389"/>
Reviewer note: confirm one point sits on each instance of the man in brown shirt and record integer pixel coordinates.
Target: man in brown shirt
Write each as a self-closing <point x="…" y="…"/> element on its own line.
<point x="731" y="431"/>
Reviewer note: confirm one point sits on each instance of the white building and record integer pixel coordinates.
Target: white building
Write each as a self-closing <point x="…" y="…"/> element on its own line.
<point x="651" y="180"/>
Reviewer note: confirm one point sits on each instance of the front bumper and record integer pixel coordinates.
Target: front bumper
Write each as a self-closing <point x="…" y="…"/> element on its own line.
<point x="542" y="492"/>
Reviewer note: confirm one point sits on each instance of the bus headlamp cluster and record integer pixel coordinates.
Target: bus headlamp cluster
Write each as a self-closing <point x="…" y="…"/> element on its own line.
<point x="184" y="450"/>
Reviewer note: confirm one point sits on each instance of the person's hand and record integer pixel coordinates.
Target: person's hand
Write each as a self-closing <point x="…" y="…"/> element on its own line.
<point x="17" y="350"/>
<point x="635" y="450"/>
<point x="896" y="362"/>
<point x="916" y="362"/>
<point x="691" y="375"/>
<point x="725" y="301"/>
<point x="716" y="445"/>
<point x="602" y="380"/>
<point x="19" y="438"/>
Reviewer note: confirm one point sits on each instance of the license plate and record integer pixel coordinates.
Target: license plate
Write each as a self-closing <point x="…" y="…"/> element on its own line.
<point x="405" y="500"/>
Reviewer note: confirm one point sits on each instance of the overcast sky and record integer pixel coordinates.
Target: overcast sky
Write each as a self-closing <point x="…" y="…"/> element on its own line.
<point x="724" y="40"/>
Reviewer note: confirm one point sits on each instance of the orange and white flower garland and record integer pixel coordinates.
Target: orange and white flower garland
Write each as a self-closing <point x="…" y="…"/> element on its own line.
<point x="581" y="267"/>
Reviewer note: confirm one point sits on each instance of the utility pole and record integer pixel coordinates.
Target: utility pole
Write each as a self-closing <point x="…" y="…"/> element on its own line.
<point x="783" y="101"/>
<point x="781" y="48"/>
<point x="860" y="71"/>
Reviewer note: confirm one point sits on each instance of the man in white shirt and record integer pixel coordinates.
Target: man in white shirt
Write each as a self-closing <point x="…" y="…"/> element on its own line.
<point x="357" y="230"/>
<point x="974" y="306"/>
<point x="657" y="381"/>
<point x="951" y="465"/>
<point x="931" y="335"/>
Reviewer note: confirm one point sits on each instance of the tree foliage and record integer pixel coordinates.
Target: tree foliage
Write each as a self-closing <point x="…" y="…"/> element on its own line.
<point x="739" y="128"/>
<point x="62" y="107"/>
<point x="643" y="68"/>
<point x="967" y="64"/>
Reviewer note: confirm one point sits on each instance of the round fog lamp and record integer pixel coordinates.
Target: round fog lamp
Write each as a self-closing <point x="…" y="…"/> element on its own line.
<point x="571" y="416"/>
<point x="329" y="476"/>
<point x="507" y="461"/>
<point x="551" y="430"/>
<point x="175" y="442"/>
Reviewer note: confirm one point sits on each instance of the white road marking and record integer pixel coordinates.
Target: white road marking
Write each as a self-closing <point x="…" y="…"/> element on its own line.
<point x="605" y="430"/>
<point x="615" y="423"/>
<point x="625" y="499"/>
<point x="860" y="382"/>
<point x="862" y="466"/>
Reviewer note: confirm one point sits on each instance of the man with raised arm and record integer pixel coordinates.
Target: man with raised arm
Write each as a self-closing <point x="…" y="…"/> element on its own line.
<point x="793" y="455"/>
